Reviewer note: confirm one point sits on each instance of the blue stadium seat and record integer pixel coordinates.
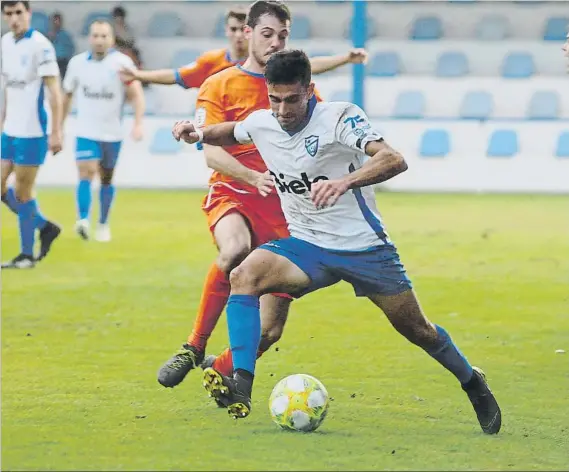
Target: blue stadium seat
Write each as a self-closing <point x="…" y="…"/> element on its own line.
<point x="183" y="57"/>
<point x="219" y="31"/>
<point x="341" y="96"/>
<point x="300" y="28"/>
<point x="384" y="64"/>
<point x="409" y="105"/>
<point x="372" y="30"/>
<point x="164" y="143"/>
<point x="435" y="143"/>
<point x="518" y="65"/>
<point x="556" y="29"/>
<point x="40" y="21"/>
<point x="476" y="105"/>
<point x="452" y="64"/>
<point x="95" y="15"/>
<point x="503" y="143"/>
<point x="563" y="145"/>
<point x="165" y="25"/>
<point x="493" y="28"/>
<point x="544" y="105"/>
<point x="427" y="28"/>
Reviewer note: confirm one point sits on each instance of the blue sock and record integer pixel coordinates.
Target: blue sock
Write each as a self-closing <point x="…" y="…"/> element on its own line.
<point x="450" y="357"/>
<point x="26" y="216"/>
<point x="83" y="198"/>
<point x="39" y="219"/>
<point x="106" y="196"/>
<point x="9" y="198"/>
<point x="244" y="323"/>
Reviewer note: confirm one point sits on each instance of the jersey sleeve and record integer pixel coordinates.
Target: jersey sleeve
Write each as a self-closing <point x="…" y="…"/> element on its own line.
<point x="71" y="79"/>
<point x="354" y="129"/>
<point x="209" y="105"/>
<point x="193" y="75"/>
<point x="246" y="130"/>
<point x="46" y="60"/>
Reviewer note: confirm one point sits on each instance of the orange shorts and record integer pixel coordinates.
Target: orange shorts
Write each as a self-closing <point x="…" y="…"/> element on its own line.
<point x="264" y="214"/>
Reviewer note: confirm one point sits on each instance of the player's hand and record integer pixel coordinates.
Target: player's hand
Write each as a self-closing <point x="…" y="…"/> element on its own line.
<point x="185" y="131"/>
<point x="127" y="75"/>
<point x="55" y="142"/>
<point x="325" y="193"/>
<point x="264" y="183"/>
<point x="358" y="56"/>
<point x="137" y="132"/>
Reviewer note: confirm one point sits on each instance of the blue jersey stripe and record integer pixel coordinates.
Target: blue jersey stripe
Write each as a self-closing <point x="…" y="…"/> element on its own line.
<point x="42" y="114"/>
<point x="368" y="215"/>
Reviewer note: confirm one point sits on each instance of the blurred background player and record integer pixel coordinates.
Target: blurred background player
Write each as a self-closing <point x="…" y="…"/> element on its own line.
<point x="29" y="66"/>
<point x="212" y="62"/>
<point x="240" y="216"/>
<point x="566" y="51"/>
<point x="94" y="75"/>
<point x="336" y="230"/>
<point x="62" y="42"/>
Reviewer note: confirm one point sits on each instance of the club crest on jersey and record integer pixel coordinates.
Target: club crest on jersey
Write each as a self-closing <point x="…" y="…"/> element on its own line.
<point x="311" y="145"/>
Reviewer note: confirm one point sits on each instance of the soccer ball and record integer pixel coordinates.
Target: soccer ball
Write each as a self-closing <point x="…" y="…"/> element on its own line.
<point x="299" y="403"/>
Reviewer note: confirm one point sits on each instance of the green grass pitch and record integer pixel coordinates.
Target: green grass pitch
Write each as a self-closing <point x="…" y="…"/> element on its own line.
<point x="84" y="334"/>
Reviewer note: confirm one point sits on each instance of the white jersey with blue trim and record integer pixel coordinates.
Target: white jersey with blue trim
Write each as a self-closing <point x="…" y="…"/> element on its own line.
<point x="25" y="62"/>
<point x="100" y="94"/>
<point x="330" y="146"/>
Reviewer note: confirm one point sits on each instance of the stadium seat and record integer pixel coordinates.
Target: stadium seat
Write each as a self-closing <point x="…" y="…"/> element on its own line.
<point x="40" y="21"/>
<point x="164" y="143"/>
<point x="556" y="29"/>
<point x="518" y="65"/>
<point x="544" y="105"/>
<point x="563" y="145"/>
<point x="300" y="28"/>
<point x="476" y="105"/>
<point x="219" y="31"/>
<point x="435" y="143"/>
<point x="427" y="28"/>
<point x="372" y="30"/>
<point x="341" y="96"/>
<point x="503" y="143"/>
<point x="96" y="15"/>
<point x="165" y="25"/>
<point x="384" y="64"/>
<point x="183" y="57"/>
<point x="409" y="105"/>
<point x="492" y="28"/>
<point x="452" y="64"/>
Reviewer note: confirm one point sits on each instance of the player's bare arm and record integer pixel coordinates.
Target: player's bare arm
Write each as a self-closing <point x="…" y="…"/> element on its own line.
<point x="55" y="99"/>
<point x="161" y="76"/>
<point x="384" y="163"/>
<point x="214" y="136"/>
<point x="135" y="95"/>
<point x="321" y="64"/>
<point x="3" y="113"/>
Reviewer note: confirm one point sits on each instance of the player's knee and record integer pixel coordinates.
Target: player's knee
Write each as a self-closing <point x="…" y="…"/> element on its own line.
<point x="244" y="280"/>
<point x="106" y="176"/>
<point x="420" y="332"/>
<point x="231" y="256"/>
<point x="23" y="191"/>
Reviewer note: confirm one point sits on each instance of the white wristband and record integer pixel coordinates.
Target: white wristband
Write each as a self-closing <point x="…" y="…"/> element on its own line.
<point x="199" y="132"/>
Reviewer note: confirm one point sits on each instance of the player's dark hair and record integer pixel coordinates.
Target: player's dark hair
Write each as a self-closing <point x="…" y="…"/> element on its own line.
<point x="288" y="67"/>
<point x="240" y="14"/>
<point x="267" y="7"/>
<point x="119" y="12"/>
<point x="13" y="4"/>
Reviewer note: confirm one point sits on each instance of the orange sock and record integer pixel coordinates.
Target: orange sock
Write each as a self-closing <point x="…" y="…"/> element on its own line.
<point x="224" y="362"/>
<point x="214" y="298"/>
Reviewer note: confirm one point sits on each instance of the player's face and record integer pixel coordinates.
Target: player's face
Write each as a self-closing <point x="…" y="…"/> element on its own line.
<point x="289" y="103"/>
<point x="18" y="18"/>
<point x="268" y="37"/>
<point x="236" y="35"/>
<point x="101" y="38"/>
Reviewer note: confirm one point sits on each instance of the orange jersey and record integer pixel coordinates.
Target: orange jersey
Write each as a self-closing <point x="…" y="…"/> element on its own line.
<point x="209" y="63"/>
<point x="232" y="95"/>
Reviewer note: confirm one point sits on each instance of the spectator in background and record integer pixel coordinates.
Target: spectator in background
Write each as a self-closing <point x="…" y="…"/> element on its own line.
<point x="62" y="42"/>
<point x="124" y="39"/>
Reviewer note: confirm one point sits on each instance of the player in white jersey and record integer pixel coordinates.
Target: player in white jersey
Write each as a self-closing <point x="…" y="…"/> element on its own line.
<point x="94" y="77"/>
<point x="566" y="50"/>
<point x="29" y="67"/>
<point x="324" y="157"/>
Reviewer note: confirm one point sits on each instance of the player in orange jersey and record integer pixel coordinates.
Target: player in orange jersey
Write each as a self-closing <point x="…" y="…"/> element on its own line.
<point x="212" y="62"/>
<point x="241" y="216"/>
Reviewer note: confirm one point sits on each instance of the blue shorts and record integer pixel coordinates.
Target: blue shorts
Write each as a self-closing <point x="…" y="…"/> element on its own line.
<point x="377" y="270"/>
<point x="24" y="151"/>
<point x="106" y="152"/>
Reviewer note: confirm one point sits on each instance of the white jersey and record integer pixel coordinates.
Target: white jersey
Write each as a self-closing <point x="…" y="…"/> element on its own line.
<point x="330" y="146"/>
<point x="100" y="94"/>
<point x="25" y="62"/>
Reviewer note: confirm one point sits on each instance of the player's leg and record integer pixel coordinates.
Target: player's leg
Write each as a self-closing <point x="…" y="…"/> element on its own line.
<point x="8" y="193"/>
<point x="87" y="155"/>
<point x="407" y="317"/>
<point x="233" y="239"/>
<point x="107" y="191"/>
